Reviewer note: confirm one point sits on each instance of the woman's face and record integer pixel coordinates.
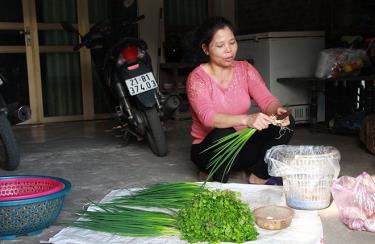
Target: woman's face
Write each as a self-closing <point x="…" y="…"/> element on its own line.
<point x="222" y="48"/>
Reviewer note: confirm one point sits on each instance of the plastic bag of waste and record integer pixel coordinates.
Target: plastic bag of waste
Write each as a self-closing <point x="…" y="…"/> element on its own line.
<point x="355" y="200"/>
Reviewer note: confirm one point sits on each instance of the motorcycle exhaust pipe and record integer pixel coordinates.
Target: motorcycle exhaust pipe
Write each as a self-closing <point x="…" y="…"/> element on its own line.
<point x="121" y="94"/>
<point x="170" y="105"/>
<point x="19" y="115"/>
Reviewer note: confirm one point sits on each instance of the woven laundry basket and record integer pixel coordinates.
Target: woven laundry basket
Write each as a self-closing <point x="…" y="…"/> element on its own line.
<point x="307" y="172"/>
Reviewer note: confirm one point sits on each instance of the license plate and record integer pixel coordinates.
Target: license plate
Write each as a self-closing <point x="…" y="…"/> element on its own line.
<point x="141" y="83"/>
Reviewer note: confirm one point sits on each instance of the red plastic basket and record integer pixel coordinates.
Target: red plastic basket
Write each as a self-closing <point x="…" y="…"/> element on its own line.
<point x="26" y="188"/>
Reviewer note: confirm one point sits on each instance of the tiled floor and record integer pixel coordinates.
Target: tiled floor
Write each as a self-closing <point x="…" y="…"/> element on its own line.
<point x="91" y="155"/>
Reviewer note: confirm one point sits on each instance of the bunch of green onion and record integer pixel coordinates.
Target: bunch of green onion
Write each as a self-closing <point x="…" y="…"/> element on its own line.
<point x="226" y="150"/>
<point x="123" y="215"/>
<point x="121" y="220"/>
<point x="161" y="195"/>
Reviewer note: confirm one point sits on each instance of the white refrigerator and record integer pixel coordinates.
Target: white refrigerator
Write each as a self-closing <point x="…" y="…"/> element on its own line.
<point x="286" y="55"/>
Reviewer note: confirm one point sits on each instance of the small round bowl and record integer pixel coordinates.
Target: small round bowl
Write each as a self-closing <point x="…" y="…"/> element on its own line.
<point x="273" y="217"/>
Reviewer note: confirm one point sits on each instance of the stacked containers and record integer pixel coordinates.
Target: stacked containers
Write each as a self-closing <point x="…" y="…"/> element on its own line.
<point x="30" y="203"/>
<point x="307" y="172"/>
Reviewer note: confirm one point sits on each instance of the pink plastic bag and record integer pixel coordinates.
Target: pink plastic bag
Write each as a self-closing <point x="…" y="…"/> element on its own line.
<point x="355" y="199"/>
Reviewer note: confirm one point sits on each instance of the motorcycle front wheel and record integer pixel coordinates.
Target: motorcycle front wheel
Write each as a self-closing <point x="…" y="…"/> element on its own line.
<point x="9" y="153"/>
<point x="155" y="134"/>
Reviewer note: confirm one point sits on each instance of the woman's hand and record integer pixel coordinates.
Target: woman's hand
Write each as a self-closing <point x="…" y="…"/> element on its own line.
<point x="284" y="114"/>
<point x="259" y="121"/>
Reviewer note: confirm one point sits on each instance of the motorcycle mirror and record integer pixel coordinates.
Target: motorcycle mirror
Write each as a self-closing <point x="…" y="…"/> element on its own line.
<point x="141" y="17"/>
<point x="69" y="27"/>
<point x="1" y="80"/>
<point x="128" y="3"/>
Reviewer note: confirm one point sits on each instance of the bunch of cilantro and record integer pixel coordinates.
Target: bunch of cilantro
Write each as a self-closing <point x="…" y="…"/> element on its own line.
<point x="216" y="216"/>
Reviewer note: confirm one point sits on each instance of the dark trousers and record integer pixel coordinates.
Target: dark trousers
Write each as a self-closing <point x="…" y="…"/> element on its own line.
<point x="251" y="156"/>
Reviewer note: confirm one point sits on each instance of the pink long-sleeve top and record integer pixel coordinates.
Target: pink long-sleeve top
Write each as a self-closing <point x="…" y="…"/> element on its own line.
<point x="207" y="97"/>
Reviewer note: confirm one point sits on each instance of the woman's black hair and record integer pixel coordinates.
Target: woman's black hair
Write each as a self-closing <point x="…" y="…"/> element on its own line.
<point x="203" y="34"/>
<point x="208" y="28"/>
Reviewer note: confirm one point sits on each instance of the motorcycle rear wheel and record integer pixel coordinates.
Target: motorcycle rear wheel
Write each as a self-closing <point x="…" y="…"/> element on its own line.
<point x="155" y="134"/>
<point x="9" y="153"/>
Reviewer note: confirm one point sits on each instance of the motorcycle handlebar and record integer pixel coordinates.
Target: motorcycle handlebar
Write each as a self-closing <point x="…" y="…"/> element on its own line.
<point x="78" y="46"/>
<point x="123" y="23"/>
<point x="135" y="20"/>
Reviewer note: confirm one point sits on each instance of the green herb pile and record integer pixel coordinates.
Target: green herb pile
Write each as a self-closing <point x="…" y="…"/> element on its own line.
<point x="216" y="216"/>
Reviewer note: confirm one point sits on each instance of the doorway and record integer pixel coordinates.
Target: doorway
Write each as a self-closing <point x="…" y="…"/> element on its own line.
<point x="38" y="61"/>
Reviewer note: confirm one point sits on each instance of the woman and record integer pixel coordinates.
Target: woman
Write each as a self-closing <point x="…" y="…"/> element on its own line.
<point x="220" y="93"/>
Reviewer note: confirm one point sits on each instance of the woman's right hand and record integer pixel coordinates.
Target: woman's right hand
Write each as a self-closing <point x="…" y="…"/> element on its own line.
<point x="259" y="121"/>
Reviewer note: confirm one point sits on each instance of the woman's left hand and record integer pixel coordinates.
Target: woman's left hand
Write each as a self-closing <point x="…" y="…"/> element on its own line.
<point x="280" y="112"/>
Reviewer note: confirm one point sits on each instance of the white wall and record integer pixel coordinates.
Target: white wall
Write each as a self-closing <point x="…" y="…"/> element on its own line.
<point x="293" y="57"/>
<point x="149" y="27"/>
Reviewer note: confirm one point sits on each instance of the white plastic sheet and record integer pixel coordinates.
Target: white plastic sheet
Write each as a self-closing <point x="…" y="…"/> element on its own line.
<point x="305" y="228"/>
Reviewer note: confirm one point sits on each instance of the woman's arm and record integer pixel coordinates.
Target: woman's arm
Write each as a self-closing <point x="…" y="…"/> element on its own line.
<point x="262" y="96"/>
<point x="277" y="109"/>
<point x="258" y="121"/>
<point x="273" y="108"/>
<point x="226" y="120"/>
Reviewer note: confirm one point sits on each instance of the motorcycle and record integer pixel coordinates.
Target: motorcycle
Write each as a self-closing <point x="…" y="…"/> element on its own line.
<point x="125" y="70"/>
<point x="10" y="114"/>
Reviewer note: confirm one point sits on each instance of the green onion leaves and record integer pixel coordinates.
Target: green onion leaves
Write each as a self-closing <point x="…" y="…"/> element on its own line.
<point x="121" y="220"/>
<point x="226" y="150"/>
<point x="122" y="216"/>
<point x="162" y="195"/>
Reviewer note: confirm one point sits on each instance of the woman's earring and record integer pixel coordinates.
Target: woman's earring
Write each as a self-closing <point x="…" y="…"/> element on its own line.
<point x="206" y="53"/>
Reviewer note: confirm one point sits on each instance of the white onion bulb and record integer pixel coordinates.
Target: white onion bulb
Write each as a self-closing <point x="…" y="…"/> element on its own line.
<point x="370" y="225"/>
<point x="356" y="224"/>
